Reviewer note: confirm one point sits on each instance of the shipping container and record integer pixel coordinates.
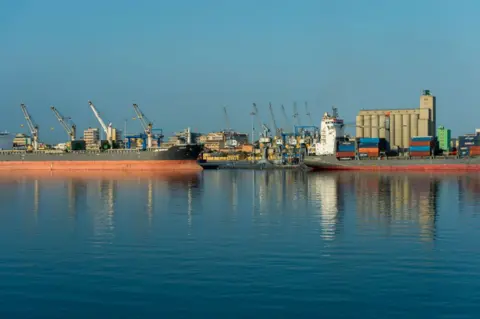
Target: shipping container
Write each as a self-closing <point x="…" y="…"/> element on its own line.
<point x="421" y="138"/>
<point x="419" y="154"/>
<point x="345" y="154"/>
<point x="374" y="140"/>
<point x="419" y="143"/>
<point x="368" y="145"/>
<point x="420" y="148"/>
<point x="362" y="155"/>
<point x="475" y="150"/>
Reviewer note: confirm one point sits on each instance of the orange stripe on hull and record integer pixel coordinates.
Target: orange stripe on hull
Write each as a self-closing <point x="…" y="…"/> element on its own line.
<point x="441" y="167"/>
<point x="157" y="165"/>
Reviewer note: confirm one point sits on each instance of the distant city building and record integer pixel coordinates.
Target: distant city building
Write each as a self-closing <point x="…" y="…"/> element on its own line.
<point x="398" y="125"/>
<point x="444" y="137"/>
<point x="91" y="136"/>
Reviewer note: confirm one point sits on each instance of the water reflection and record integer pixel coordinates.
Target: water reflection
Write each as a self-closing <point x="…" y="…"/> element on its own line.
<point x="330" y="199"/>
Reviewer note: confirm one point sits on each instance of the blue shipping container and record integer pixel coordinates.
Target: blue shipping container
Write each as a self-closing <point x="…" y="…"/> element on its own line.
<point x="367" y="145"/>
<point x="422" y="138"/>
<point x="420" y="148"/>
<point x="369" y="140"/>
<point x="345" y="149"/>
<point x="346" y="146"/>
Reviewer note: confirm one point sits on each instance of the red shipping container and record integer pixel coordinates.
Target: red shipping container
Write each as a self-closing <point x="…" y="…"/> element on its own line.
<point x="474" y="150"/>
<point x="345" y="154"/>
<point x="419" y="154"/>
<point x="419" y="143"/>
<point x="368" y="149"/>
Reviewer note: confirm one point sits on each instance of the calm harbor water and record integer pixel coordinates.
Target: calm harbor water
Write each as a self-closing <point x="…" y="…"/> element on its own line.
<point x="240" y="244"/>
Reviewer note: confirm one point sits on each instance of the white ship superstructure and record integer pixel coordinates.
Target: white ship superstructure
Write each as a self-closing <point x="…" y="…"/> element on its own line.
<point x="330" y="128"/>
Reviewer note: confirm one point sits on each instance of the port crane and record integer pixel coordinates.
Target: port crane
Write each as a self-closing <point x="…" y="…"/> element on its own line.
<point x="257" y="115"/>
<point x="307" y="112"/>
<point x="229" y="140"/>
<point x="147" y="125"/>
<point x="296" y="116"/>
<point x="31" y="125"/>
<point x="285" y="118"/>
<point x="274" y="123"/>
<point x="70" y="129"/>
<point x="106" y="129"/>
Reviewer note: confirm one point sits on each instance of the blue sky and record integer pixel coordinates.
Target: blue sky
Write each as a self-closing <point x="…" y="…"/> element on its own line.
<point x="181" y="61"/>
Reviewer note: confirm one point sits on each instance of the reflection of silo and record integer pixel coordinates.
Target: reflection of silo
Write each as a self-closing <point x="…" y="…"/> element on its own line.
<point x="381" y="127"/>
<point x="374" y="125"/>
<point x="406" y="130"/>
<point x="398" y="130"/>
<point x="359" y="124"/>
<point x="413" y="125"/>
<point x="392" y="130"/>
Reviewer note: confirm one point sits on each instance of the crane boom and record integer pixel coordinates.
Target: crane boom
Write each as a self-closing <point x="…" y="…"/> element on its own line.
<point x="31" y="125"/>
<point x="71" y="130"/>
<point x="285" y="118"/>
<point x="308" y="113"/>
<point x="227" y="120"/>
<point x="274" y="123"/>
<point x="107" y="130"/>
<point x="147" y="125"/>
<point x="255" y="110"/>
<point x="296" y="116"/>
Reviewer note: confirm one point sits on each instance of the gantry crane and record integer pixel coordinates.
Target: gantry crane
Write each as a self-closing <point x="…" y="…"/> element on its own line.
<point x="106" y="129"/>
<point x="147" y="125"/>
<point x="70" y="129"/>
<point x="32" y="126"/>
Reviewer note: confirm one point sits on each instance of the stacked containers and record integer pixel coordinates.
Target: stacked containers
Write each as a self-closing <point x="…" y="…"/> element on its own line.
<point x="469" y="145"/>
<point x="371" y="146"/>
<point x="421" y="145"/>
<point x="345" y="149"/>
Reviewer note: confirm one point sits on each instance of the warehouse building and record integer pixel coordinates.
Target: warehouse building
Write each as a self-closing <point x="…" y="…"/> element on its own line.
<point x="398" y="125"/>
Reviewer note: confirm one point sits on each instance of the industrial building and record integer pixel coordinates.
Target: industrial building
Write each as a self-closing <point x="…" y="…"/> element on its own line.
<point x="398" y="125"/>
<point x="217" y="141"/>
<point x="444" y="137"/>
<point x="91" y="136"/>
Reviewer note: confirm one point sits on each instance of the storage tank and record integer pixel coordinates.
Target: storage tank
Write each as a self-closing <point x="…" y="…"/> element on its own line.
<point x="406" y="130"/>
<point x="359" y="126"/>
<point x="374" y="125"/>
<point x="381" y="127"/>
<point x="398" y="130"/>
<point x="413" y="125"/>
